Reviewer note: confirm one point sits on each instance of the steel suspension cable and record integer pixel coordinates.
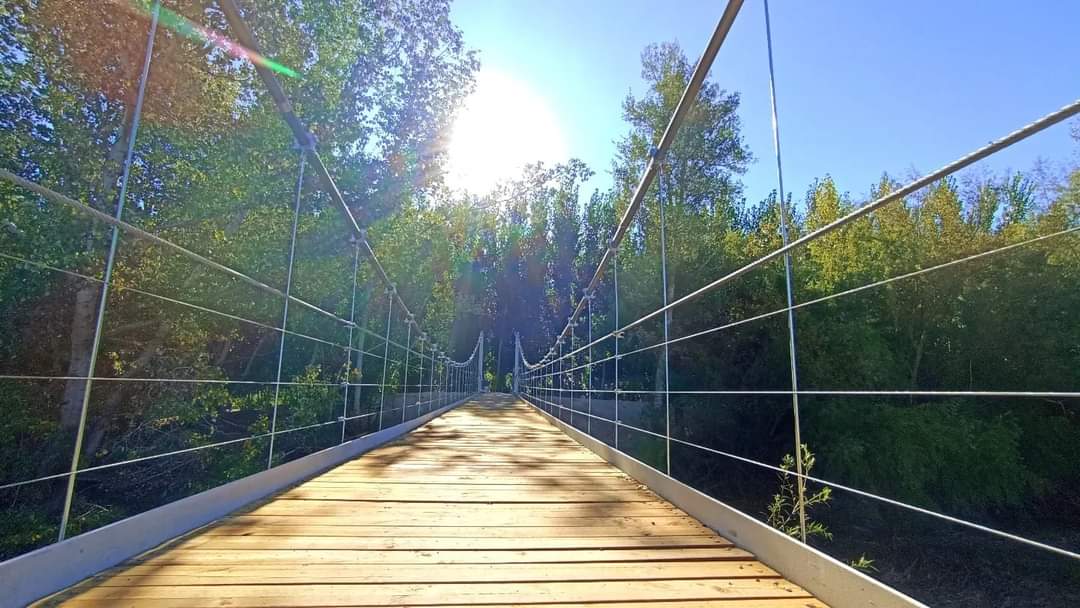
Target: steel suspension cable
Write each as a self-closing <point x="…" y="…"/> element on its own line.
<point x="884" y="499"/>
<point x="997" y="145"/>
<point x="285" y="311"/>
<point x="110" y="263"/>
<point x="788" y="287"/>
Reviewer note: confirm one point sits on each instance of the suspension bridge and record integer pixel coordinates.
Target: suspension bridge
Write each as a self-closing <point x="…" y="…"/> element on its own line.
<point x="419" y="487"/>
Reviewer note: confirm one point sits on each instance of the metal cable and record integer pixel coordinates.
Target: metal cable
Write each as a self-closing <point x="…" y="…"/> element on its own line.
<point x="955" y="520"/>
<point x="789" y="289"/>
<point x="839" y="294"/>
<point x="1016" y="136"/>
<point x="849" y="393"/>
<point x="305" y="139"/>
<point x="285" y="310"/>
<point x="177" y="452"/>
<point x="35" y="378"/>
<point x="114" y="243"/>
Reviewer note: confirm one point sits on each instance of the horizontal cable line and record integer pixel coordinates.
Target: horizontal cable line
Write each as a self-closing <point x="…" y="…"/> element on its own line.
<point x="585" y="390"/>
<point x="840" y="393"/>
<point x="861" y="288"/>
<point x="149" y="236"/>
<point x="180" y="451"/>
<point x="139" y="233"/>
<point x="35" y="378"/>
<point x="868" y="393"/>
<point x="171" y="300"/>
<point x="199" y="307"/>
<point x="368" y="415"/>
<point x="594" y="416"/>
<point x="846" y="488"/>
<point x="913" y="186"/>
<point x="890" y="501"/>
<point x="1016" y="136"/>
<point x="826" y="298"/>
<point x="617" y="423"/>
<point x="583" y="366"/>
<point x="164" y="380"/>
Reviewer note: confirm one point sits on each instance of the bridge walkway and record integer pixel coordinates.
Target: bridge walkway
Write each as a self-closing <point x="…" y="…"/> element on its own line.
<point x="488" y="504"/>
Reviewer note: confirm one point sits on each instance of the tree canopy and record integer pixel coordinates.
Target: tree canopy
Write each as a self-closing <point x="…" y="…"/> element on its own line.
<point x="191" y="354"/>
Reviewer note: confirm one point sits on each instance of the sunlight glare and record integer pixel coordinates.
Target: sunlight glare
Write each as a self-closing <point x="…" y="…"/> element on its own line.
<point x="503" y="126"/>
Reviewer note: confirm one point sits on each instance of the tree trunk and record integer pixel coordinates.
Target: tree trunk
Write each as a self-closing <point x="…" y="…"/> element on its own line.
<point x="255" y="353"/>
<point x="82" y="340"/>
<point x="84" y="311"/>
<point x="919" y="346"/>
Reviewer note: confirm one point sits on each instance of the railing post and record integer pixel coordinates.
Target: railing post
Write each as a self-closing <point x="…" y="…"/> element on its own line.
<point x="480" y="366"/>
<point x="431" y="379"/>
<point x="285" y="308"/>
<point x="572" y="324"/>
<point x="517" y="361"/>
<point x="405" y="375"/>
<point x="789" y="272"/>
<point x="110" y="263"/>
<point x="588" y="420"/>
<point x="420" y="378"/>
<point x="552" y="378"/>
<point x="386" y="351"/>
<point x="667" y="313"/>
<point x="618" y="333"/>
<point x="352" y="324"/>
<point x="561" y="366"/>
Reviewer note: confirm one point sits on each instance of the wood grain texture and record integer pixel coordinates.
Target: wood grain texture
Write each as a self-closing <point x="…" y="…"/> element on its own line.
<point x="487" y="505"/>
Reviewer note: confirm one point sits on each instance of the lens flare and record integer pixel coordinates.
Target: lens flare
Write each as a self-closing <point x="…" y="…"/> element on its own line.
<point x="188" y="29"/>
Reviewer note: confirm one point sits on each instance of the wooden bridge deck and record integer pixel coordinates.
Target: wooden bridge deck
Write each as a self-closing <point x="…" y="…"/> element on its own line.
<point x="486" y="505"/>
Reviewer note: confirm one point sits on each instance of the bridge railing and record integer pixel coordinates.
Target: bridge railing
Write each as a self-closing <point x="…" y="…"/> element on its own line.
<point x="671" y="373"/>
<point x="188" y="299"/>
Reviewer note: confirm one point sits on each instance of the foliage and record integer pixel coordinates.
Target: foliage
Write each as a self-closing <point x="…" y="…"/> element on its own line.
<point x="215" y="170"/>
<point x="785" y="511"/>
<point x="863" y="563"/>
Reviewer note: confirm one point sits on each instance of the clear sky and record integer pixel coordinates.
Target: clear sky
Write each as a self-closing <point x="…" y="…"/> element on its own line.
<point x="864" y="86"/>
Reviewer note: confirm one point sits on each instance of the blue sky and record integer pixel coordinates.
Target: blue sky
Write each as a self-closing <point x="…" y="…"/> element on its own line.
<point x="863" y="87"/>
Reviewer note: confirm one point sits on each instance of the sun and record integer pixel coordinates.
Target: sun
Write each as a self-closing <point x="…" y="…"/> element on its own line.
<point x="503" y="126"/>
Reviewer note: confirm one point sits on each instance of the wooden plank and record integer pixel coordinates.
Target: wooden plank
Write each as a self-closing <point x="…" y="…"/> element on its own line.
<point x="221" y="557"/>
<point x="602" y="484"/>
<point x="508" y="526"/>
<point x="698" y="603"/>
<point x="354" y="543"/>
<point x="422" y="511"/>
<point x="488" y="504"/>
<point x="519" y="532"/>
<point x="142" y="575"/>
<point x="465" y="494"/>
<point x="395" y="594"/>
<point x="404" y="486"/>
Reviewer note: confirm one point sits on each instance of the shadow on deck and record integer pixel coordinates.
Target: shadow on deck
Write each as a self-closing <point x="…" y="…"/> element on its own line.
<point x="488" y="504"/>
